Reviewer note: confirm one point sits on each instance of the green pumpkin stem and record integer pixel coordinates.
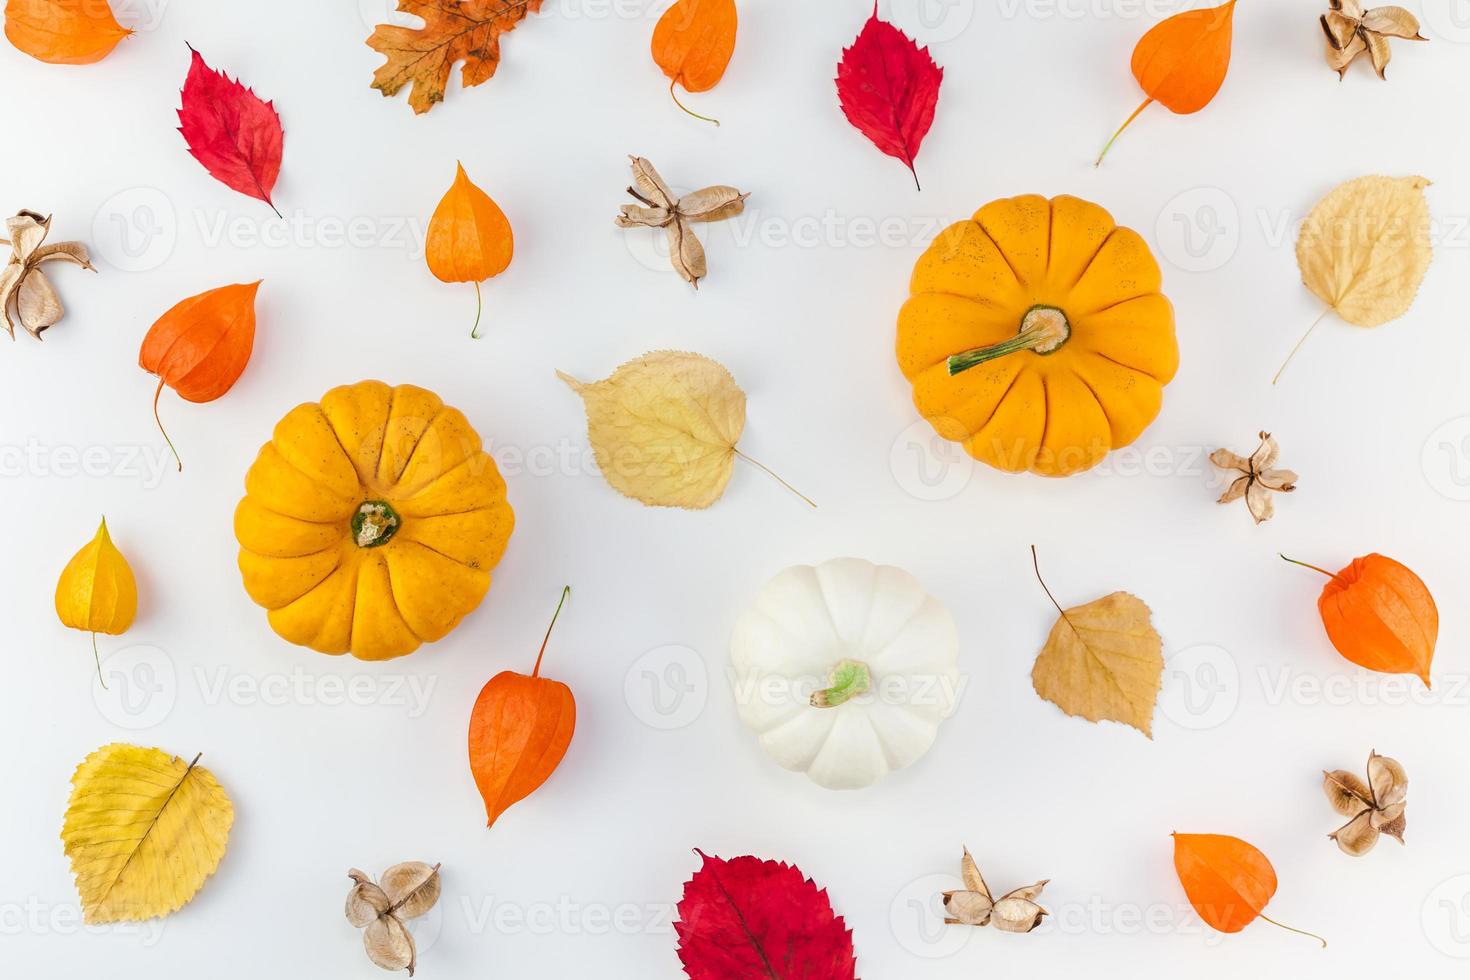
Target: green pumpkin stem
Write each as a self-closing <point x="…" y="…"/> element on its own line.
<point x="849" y="679"/>
<point x="1044" y="329"/>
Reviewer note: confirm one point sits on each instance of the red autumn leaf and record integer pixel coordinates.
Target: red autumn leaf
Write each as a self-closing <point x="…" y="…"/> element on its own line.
<point x="231" y="131"/>
<point x="888" y="87"/>
<point x="748" y="919"/>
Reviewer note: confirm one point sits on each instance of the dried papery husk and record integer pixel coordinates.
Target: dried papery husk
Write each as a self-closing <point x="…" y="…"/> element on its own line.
<point x="389" y="944"/>
<point x="405" y="891"/>
<point x="1016" y="911"/>
<point x="366" y="901"/>
<point x="1389" y="782"/>
<point x="1375" y="807"/>
<point x="412" y="887"/>
<point x="1348" y="794"/>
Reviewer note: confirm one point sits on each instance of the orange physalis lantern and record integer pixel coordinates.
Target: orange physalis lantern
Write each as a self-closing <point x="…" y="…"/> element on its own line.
<point x="469" y="238"/>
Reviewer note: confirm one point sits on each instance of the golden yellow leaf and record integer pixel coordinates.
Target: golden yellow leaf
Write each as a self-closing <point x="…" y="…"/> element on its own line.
<point x="143" y="831"/>
<point x="97" y="591"/>
<point x="1103" y="661"/>
<point x="663" y="428"/>
<point x="1364" y="250"/>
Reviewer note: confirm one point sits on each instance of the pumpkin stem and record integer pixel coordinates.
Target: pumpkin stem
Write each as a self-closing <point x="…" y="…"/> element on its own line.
<point x="97" y="658"/>
<point x="772" y="474"/>
<point x="673" y="95"/>
<point x="566" y="590"/>
<point x="1044" y="329"/>
<point x="1299" y="343"/>
<point x="1146" y="103"/>
<point x="849" y="679"/>
<point x="1307" y="565"/>
<point x="479" y="306"/>
<point x="1300" y="932"/>
<point x="374" y="524"/>
<point x="166" y="439"/>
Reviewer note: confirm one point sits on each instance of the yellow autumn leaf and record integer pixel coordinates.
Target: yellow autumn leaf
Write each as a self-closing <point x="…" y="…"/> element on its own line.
<point x="1364" y="250"/>
<point x="664" y="428"/>
<point x="97" y="592"/>
<point x="1102" y="661"/>
<point x="143" y="831"/>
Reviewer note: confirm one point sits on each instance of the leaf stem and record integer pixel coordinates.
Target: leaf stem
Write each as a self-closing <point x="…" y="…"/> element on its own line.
<point x="1146" y="103"/>
<point x="772" y="474"/>
<point x="566" y="590"/>
<point x="97" y="658"/>
<point x="479" y="307"/>
<point x="1300" y="932"/>
<point x="673" y="95"/>
<point x="1307" y="565"/>
<point x="1036" y="564"/>
<point x="1299" y="343"/>
<point x="166" y="439"/>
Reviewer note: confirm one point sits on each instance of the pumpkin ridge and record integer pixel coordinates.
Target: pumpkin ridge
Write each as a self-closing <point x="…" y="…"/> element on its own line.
<point x="337" y="438"/>
<point x="315" y="585"/>
<point x="290" y="517"/>
<point x="381" y="426"/>
<point x="352" y="613"/>
<point x="281" y="459"/>
<point x="413" y="455"/>
<point x="1098" y="399"/>
<point x="413" y="451"/>
<point x="1001" y="252"/>
<point x="1087" y="266"/>
<point x="998" y="403"/>
<point x="1127" y="367"/>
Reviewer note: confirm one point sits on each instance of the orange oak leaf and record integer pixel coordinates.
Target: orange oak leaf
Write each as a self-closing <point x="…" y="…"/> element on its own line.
<point x="453" y="31"/>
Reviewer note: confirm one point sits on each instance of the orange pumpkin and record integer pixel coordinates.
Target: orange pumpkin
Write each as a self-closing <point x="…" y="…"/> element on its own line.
<point x="371" y="521"/>
<point x="1035" y="335"/>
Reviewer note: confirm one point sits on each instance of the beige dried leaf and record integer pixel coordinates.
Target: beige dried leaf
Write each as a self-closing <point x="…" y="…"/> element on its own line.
<point x="1376" y="807"/>
<point x="664" y="428"/>
<point x="1350" y="30"/>
<point x="1015" y="911"/>
<point x="36" y="303"/>
<point x="1102" y="661"/>
<point x="405" y="891"/>
<point x="662" y="210"/>
<point x="1259" y="478"/>
<point x="1364" y="250"/>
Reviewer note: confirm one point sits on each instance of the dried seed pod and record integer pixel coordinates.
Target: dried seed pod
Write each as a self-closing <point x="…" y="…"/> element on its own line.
<point x="405" y="891"/>
<point x="1373" y="808"/>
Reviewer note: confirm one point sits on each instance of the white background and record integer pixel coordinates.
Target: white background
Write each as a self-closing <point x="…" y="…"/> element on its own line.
<point x="800" y="305"/>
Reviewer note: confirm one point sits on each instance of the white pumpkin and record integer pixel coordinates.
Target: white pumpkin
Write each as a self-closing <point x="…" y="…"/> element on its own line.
<point x="845" y="670"/>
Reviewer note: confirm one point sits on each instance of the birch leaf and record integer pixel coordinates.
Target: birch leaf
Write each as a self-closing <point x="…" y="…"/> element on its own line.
<point x="143" y="831"/>
<point x="1364" y="249"/>
<point x="1103" y="661"/>
<point x="664" y="428"/>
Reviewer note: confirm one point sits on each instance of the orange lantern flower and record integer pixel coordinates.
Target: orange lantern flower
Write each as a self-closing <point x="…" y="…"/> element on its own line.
<point x="1227" y="881"/>
<point x="1379" y="615"/>
<point x="693" y="43"/>
<point x="469" y="238"/>
<point x="1182" y="62"/>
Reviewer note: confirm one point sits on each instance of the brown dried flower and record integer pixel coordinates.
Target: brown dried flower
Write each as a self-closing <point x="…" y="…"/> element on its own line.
<point x="1259" y="481"/>
<point x="36" y="302"/>
<point x="1352" y="30"/>
<point x="1015" y="911"/>
<point x="1372" y="808"/>
<point x="406" y="891"/>
<point x="660" y="209"/>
